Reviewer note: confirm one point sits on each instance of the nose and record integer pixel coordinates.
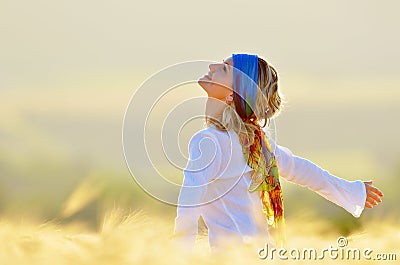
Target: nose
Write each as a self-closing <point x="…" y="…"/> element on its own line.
<point x="212" y="67"/>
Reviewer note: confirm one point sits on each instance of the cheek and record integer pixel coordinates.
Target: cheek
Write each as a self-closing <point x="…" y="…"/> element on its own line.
<point x="229" y="81"/>
<point x="225" y="80"/>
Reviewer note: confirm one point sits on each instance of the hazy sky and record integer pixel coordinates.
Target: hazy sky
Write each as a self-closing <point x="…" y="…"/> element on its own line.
<point x="60" y="42"/>
<point x="69" y="68"/>
<point x="74" y="63"/>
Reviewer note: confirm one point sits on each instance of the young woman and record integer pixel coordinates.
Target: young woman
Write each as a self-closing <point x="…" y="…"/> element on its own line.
<point x="232" y="176"/>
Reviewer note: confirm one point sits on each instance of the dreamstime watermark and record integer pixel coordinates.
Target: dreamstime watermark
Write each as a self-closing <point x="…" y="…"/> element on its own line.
<point x="339" y="252"/>
<point x="162" y="114"/>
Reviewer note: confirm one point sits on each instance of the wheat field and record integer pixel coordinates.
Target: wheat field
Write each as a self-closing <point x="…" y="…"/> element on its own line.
<point x="126" y="236"/>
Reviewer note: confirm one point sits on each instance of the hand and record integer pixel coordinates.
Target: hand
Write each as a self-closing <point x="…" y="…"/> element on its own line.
<point x="373" y="195"/>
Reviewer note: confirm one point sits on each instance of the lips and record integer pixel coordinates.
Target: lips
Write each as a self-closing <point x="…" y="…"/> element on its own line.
<point x="206" y="77"/>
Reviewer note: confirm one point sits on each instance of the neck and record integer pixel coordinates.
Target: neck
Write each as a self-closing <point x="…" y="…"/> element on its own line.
<point x="214" y="108"/>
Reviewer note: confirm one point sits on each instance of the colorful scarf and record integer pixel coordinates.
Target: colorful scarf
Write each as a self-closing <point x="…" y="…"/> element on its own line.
<point x="261" y="158"/>
<point x="259" y="155"/>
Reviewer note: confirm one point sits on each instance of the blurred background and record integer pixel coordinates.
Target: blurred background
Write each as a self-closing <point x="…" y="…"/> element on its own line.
<point x="69" y="68"/>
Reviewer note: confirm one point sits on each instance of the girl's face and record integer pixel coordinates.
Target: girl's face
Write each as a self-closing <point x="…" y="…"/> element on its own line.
<point x="218" y="82"/>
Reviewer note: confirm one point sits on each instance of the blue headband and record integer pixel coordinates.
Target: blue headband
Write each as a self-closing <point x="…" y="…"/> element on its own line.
<point x="245" y="80"/>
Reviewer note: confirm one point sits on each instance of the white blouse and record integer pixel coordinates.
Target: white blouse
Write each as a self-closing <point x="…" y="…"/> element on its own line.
<point x="215" y="185"/>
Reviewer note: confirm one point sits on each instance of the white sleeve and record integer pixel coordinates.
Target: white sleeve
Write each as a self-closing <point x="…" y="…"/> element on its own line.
<point x="203" y="163"/>
<point x="350" y="195"/>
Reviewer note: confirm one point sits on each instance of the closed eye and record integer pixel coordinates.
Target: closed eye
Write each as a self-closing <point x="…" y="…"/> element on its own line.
<point x="225" y="69"/>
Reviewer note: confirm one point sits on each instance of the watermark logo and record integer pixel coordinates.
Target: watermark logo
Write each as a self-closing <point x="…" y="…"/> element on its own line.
<point x="342" y="241"/>
<point x="160" y="119"/>
<point x="339" y="252"/>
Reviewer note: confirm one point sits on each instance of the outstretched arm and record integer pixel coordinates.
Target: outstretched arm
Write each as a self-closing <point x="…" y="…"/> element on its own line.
<point x="353" y="196"/>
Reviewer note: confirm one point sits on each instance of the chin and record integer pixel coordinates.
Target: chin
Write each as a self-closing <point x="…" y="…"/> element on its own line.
<point x="203" y="83"/>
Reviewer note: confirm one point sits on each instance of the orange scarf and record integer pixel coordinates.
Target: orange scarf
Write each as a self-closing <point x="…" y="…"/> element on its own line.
<point x="261" y="158"/>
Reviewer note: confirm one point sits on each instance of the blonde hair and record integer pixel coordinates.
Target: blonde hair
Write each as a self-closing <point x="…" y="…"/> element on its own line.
<point x="268" y="104"/>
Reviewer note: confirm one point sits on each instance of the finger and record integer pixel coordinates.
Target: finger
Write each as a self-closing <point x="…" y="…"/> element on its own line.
<point x="368" y="205"/>
<point x="367" y="184"/>
<point x="370" y="200"/>
<point x="377" y="202"/>
<point x="374" y="196"/>
<point x="377" y="191"/>
<point x="373" y="189"/>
